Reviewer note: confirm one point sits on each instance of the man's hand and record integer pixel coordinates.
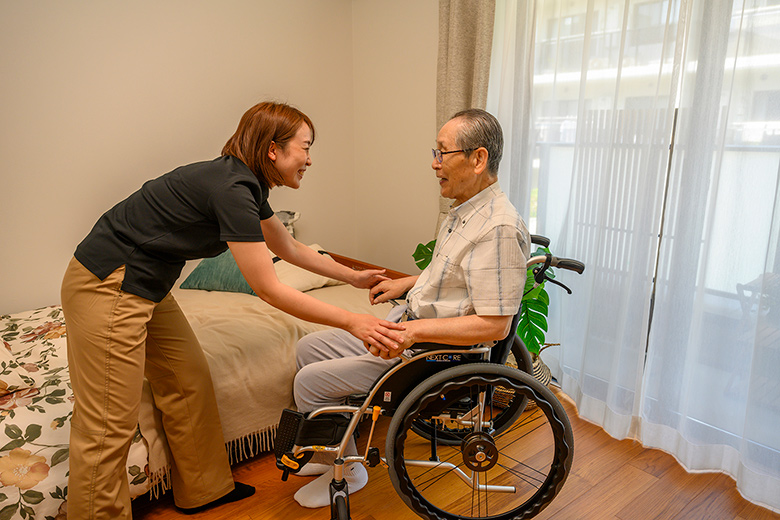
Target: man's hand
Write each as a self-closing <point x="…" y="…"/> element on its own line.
<point x="368" y="278"/>
<point x="389" y="290"/>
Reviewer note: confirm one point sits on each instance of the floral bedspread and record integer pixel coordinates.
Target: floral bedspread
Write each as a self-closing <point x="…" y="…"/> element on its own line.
<point x="36" y="404"/>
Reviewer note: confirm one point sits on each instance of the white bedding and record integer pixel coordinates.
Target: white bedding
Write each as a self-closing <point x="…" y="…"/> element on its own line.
<point x="36" y="403"/>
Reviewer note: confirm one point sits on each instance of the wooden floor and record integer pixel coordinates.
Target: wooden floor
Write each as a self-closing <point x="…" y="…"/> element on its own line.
<point x="609" y="480"/>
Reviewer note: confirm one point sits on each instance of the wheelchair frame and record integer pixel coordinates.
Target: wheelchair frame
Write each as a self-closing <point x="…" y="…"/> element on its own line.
<point x="435" y="397"/>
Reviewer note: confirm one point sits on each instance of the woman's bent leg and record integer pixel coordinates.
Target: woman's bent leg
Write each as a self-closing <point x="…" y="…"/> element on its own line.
<point x="181" y="384"/>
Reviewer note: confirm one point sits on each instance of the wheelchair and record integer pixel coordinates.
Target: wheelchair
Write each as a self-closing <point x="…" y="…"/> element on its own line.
<point x="469" y="435"/>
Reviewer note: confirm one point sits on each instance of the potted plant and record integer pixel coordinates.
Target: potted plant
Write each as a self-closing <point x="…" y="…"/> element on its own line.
<point x="532" y="327"/>
<point x="534" y="308"/>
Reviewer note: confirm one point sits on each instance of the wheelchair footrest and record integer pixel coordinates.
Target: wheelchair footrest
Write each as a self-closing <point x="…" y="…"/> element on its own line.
<point x="296" y="430"/>
<point x="286" y="433"/>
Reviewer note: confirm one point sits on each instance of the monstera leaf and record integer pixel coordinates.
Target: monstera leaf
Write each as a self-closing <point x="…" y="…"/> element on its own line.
<point x="423" y="254"/>
<point x="532" y="326"/>
<point x="534" y="308"/>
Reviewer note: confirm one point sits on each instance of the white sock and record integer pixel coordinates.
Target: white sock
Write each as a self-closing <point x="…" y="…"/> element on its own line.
<point x="313" y="468"/>
<point x="317" y="492"/>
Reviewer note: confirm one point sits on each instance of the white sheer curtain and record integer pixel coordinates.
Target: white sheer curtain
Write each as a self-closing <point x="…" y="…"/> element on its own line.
<point x="672" y="336"/>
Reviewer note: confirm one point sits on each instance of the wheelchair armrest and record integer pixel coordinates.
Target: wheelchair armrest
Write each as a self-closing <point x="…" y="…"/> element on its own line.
<point x="440" y="346"/>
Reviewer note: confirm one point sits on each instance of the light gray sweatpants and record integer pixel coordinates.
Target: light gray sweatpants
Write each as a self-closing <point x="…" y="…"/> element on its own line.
<point x="333" y="364"/>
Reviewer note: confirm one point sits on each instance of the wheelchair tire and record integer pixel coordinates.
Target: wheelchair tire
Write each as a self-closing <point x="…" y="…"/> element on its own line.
<point x="518" y="356"/>
<point x="342" y="513"/>
<point x="530" y="458"/>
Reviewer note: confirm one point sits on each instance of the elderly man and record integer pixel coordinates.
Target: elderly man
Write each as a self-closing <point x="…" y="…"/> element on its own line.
<point x="467" y="295"/>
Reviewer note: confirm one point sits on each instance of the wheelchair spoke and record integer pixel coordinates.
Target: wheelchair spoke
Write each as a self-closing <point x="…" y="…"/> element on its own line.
<point x="446" y="463"/>
<point x="425" y="484"/>
<point x="525" y="427"/>
<point x="534" y="416"/>
<point x="474" y="491"/>
<point x="530" y="479"/>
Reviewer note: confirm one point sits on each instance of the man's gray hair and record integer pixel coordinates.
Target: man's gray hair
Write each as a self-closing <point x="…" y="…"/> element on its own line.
<point x="481" y="129"/>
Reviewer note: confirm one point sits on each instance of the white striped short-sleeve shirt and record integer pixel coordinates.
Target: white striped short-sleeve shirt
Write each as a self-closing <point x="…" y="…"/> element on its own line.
<point x="479" y="262"/>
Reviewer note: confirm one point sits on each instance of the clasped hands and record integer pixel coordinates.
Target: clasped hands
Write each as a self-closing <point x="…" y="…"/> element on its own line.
<point x="400" y="335"/>
<point x="392" y="349"/>
<point x="382" y="338"/>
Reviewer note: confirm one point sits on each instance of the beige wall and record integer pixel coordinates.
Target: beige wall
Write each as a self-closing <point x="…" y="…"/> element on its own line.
<point x="97" y="97"/>
<point x="395" y="128"/>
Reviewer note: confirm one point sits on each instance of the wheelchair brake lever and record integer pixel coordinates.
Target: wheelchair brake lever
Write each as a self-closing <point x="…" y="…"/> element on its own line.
<point x="556" y="282"/>
<point x="540" y="273"/>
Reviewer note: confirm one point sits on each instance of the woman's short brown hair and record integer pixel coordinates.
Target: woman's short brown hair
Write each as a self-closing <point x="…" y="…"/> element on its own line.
<point x="259" y="126"/>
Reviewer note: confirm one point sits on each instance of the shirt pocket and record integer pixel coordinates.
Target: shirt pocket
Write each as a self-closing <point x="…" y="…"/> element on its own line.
<point x="447" y="273"/>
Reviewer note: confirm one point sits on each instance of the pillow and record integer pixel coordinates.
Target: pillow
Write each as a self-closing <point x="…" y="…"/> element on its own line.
<point x="222" y="274"/>
<point x="289" y="218"/>
<point x="299" y="278"/>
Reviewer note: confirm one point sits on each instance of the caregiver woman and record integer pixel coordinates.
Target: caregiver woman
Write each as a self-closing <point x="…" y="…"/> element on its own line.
<point x="123" y="323"/>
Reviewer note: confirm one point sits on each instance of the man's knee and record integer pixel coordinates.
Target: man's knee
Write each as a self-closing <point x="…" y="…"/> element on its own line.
<point x="303" y="351"/>
<point x="305" y="388"/>
<point x="322" y="346"/>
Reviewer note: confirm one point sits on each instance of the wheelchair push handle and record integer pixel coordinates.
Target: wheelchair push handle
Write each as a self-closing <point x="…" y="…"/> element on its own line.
<point x="563" y="263"/>
<point x="571" y="265"/>
<point x="540" y="240"/>
<point x="548" y="261"/>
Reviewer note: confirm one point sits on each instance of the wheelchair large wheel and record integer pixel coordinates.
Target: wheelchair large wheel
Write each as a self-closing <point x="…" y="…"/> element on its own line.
<point x="508" y="408"/>
<point x="512" y="474"/>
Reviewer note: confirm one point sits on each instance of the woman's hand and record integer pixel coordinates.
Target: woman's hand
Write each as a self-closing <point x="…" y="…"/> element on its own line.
<point x="382" y="335"/>
<point x="368" y="278"/>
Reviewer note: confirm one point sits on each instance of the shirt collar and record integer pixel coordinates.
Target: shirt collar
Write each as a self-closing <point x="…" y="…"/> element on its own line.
<point x="465" y="211"/>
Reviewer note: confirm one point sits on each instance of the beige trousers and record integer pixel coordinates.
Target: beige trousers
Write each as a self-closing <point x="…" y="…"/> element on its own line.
<point x="114" y="339"/>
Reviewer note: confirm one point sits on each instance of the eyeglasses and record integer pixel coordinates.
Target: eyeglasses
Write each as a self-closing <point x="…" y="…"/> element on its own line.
<point x="439" y="155"/>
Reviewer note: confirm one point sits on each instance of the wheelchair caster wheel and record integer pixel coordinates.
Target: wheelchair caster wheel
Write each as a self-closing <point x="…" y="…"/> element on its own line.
<point x="341" y="509"/>
<point x="339" y="500"/>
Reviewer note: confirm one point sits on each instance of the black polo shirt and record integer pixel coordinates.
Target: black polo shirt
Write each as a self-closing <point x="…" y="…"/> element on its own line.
<point x="186" y="214"/>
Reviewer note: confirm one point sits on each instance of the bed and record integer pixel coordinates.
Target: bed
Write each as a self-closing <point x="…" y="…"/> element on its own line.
<point x="250" y="349"/>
